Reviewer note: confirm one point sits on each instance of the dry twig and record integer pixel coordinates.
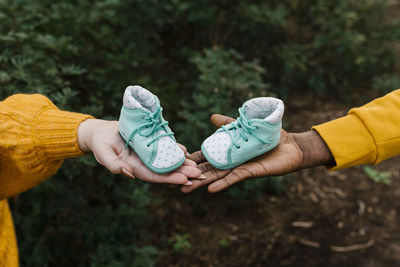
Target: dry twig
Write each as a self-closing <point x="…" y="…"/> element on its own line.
<point x="313" y="197"/>
<point x="309" y="243"/>
<point x="355" y="247"/>
<point x="336" y="191"/>
<point x="302" y="224"/>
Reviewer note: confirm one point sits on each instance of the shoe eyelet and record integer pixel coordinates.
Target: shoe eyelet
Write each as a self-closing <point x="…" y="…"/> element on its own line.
<point x="238" y="147"/>
<point x="148" y="145"/>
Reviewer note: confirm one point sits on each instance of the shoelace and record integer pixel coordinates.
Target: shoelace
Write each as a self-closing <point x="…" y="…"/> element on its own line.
<point x="242" y="125"/>
<point x="155" y="124"/>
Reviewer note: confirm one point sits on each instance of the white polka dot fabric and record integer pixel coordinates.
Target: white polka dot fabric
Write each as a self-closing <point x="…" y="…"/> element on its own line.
<point x="217" y="146"/>
<point x="268" y="108"/>
<point x="168" y="152"/>
<point x="138" y="97"/>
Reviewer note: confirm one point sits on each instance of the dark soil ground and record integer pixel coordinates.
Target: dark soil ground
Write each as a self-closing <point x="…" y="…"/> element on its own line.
<point x="340" y="218"/>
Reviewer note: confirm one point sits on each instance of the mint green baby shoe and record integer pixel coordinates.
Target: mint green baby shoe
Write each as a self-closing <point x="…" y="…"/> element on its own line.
<point x="144" y="129"/>
<point x="255" y="132"/>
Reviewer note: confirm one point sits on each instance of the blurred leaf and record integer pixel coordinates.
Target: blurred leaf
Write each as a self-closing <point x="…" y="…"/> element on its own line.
<point x="377" y="176"/>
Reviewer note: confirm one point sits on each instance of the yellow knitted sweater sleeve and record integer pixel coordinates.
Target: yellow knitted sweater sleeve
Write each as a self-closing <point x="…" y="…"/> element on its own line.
<point x="367" y="135"/>
<point x="35" y="136"/>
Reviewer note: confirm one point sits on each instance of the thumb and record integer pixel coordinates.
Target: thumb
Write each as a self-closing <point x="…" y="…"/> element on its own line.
<point x="219" y="120"/>
<point x="109" y="158"/>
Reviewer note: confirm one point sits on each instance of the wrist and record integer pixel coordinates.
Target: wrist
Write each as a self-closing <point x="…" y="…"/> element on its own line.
<point x="314" y="149"/>
<point x="84" y="135"/>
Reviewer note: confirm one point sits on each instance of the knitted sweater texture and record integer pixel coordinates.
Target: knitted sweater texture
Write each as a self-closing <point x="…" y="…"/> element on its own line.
<point x="35" y="137"/>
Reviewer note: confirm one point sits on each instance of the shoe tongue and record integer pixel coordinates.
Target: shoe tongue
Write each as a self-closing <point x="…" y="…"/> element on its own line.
<point x="265" y="108"/>
<point x="139" y="97"/>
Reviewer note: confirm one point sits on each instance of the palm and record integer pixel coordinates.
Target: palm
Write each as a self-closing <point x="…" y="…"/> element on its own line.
<point x="140" y="170"/>
<point x="109" y="150"/>
<point x="286" y="157"/>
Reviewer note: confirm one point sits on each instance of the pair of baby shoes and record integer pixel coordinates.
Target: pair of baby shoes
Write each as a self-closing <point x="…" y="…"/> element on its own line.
<point x="143" y="128"/>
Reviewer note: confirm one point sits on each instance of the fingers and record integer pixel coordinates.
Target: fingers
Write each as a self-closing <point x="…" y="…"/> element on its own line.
<point x="237" y="175"/>
<point x="180" y="176"/>
<point x="171" y="178"/>
<point x="205" y="167"/>
<point x="219" y="120"/>
<point x="108" y="157"/>
<point x="211" y="176"/>
<point x="127" y="174"/>
<point x="189" y="171"/>
<point x="189" y="162"/>
<point x="198" y="157"/>
<point x="182" y="147"/>
<point x="187" y="154"/>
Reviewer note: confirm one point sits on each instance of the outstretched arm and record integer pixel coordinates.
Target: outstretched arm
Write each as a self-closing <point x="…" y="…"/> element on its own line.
<point x="367" y="135"/>
<point x="35" y="137"/>
<point x="295" y="151"/>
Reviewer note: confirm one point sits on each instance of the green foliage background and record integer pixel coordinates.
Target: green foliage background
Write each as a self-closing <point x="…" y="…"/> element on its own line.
<point x="199" y="57"/>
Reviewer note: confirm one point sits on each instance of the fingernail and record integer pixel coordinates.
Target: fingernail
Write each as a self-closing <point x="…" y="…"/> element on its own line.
<point x="127" y="174"/>
<point x="202" y="177"/>
<point x="187" y="154"/>
<point x="188" y="183"/>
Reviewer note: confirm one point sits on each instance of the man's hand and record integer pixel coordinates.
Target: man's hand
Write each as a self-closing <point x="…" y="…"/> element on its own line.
<point x="101" y="137"/>
<point x="294" y="151"/>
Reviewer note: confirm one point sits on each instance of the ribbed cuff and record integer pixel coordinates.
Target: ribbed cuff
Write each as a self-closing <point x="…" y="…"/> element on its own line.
<point x="56" y="134"/>
<point x="349" y="141"/>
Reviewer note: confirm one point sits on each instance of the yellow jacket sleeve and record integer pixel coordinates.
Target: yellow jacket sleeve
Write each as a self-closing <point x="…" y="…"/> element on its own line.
<point x="35" y="136"/>
<point x="367" y="135"/>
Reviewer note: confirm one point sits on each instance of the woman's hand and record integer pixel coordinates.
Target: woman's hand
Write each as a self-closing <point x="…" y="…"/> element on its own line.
<point x="293" y="152"/>
<point x="102" y="138"/>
